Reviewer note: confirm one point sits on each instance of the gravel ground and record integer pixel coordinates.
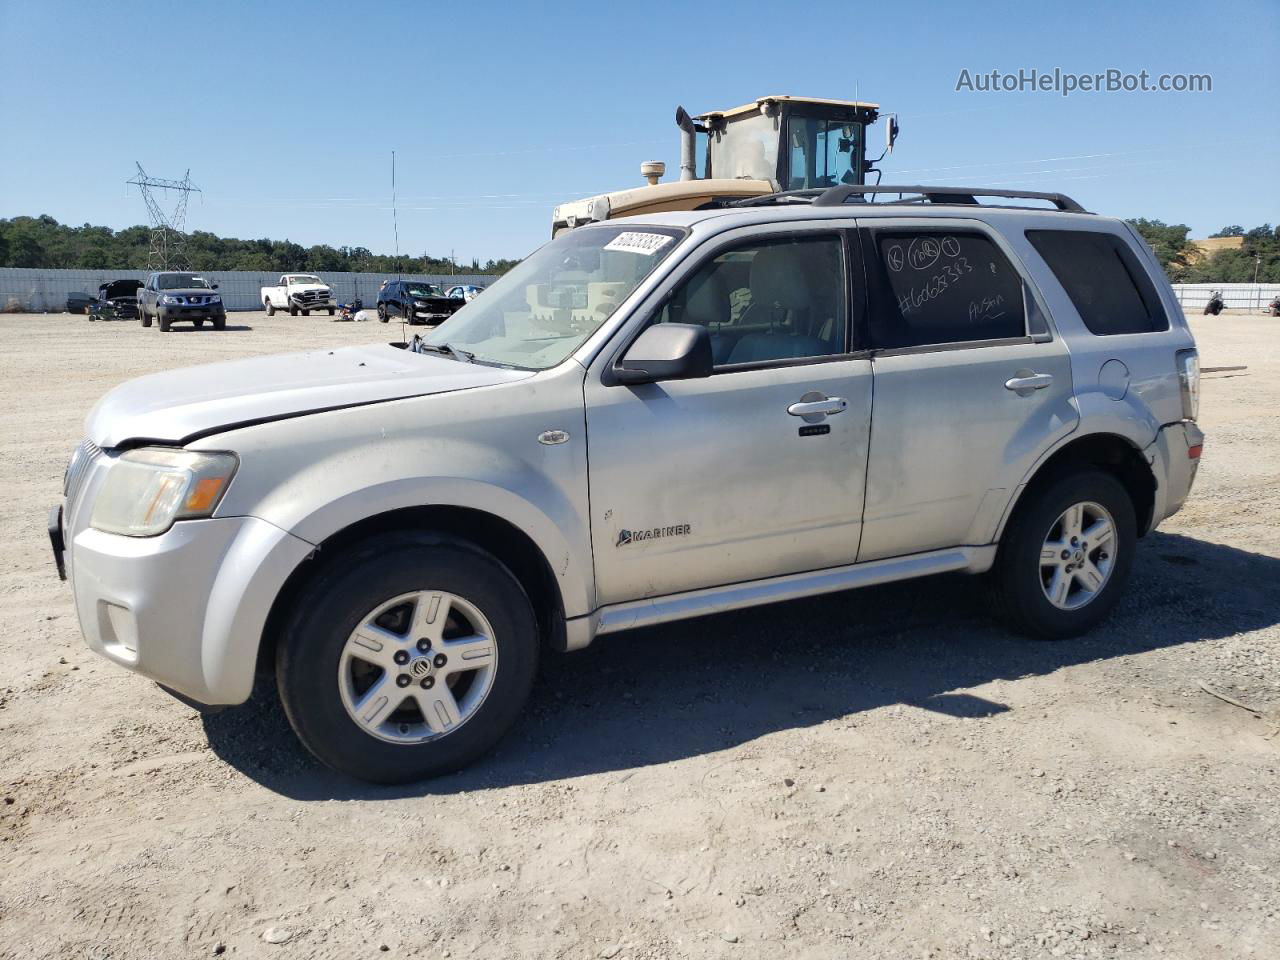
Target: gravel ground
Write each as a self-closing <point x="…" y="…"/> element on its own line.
<point x="864" y="775"/>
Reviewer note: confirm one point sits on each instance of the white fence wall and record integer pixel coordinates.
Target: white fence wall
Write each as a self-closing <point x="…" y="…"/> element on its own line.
<point x="1253" y="297"/>
<point x="45" y="291"/>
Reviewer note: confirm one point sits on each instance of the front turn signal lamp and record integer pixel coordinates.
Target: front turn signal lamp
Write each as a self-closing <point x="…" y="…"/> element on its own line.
<point x="146" y="490"/>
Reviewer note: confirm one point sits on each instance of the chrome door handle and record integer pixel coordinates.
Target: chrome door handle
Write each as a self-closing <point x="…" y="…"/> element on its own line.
<point x="1024" y="383"/>
<point x="810" y="408"/>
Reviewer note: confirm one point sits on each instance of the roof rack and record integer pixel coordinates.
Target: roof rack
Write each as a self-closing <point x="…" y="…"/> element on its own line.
<point x="839" y="195"/>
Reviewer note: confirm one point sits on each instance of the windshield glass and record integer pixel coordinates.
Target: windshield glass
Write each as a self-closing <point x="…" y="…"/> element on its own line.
<point x="536" y="316"/>
<point x="183" y="281"/>
<point x="747" y="147"/>
<point x="824" y="153"/>
<point x="303" y="278"/>
<point x="423" y="290"/>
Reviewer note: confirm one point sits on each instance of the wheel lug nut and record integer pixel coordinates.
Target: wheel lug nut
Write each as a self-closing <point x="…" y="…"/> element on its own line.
<point x="440" y="660"/>
<point x="401" y="657"/>
<point x="403" y="680"/>
<point x="424" y="645"/>
<point x="428" y="683"/>
<point x="1066" y="554"/>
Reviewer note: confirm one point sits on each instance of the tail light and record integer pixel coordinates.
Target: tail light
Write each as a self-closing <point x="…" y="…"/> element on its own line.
<point x="1188" y="362"/>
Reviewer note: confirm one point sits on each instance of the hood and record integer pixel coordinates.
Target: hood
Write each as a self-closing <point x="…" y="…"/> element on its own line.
<point x="178" y="405"/>
<point x="308" y="286"/>
<point x="187" y="292"/>
<point x="120" y="289"/>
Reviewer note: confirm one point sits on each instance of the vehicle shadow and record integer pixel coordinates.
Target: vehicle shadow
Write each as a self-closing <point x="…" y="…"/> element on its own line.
<point x="229" y="328"/>
<point x="665" y="693"/>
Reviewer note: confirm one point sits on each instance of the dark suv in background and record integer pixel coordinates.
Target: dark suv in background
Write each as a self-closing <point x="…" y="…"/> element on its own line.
<point x="167" y="297"/>
<point x="415" y="301"/>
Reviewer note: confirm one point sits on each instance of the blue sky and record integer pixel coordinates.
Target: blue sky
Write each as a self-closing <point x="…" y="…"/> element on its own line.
<point x="286" y="114"/>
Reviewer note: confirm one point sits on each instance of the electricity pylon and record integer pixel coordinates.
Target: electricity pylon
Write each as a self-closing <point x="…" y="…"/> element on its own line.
<point x="168" y="241"/>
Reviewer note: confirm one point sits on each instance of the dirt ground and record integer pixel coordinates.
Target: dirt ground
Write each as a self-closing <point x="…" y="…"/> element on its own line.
<point x="882" y="773"/>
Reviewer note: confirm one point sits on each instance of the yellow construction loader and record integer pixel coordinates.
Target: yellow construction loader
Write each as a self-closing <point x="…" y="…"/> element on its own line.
<point x="770" y="145"/>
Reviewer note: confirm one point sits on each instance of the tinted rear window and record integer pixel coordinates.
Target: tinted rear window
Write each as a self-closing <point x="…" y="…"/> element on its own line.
<point x="1106" y="283"/>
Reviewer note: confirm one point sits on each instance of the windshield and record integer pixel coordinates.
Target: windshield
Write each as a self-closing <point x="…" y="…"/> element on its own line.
<point x="536" y="316"/>
<point x="824" y="153"/>
<point x="303" y="278"/>
<point x="746" y="148"/>
<point x="182" y="281"/>
<point x="423" y="290"/>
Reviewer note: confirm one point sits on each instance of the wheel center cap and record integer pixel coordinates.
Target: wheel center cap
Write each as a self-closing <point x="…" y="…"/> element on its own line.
<point x="1079" y="557"/>
<point x="421" y="667"/>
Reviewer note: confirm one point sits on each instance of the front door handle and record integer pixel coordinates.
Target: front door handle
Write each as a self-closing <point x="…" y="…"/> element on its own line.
<point x="817" y="408"/>
<point x="1024" y="382"/>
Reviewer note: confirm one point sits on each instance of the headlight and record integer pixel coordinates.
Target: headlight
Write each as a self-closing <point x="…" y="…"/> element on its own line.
<point x="215" y="299"/>
<point x="419" y="303"/>
<point x="168" y="299"/>
<point x="147" y="490"/>
<point x="1189" y="380"/>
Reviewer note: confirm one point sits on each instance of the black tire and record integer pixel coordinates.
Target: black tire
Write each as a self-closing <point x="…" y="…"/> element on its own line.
<point x="333" y="604"/>
<point x="306" y="313"/>
<point x="270" y="308"/>
<point x="1017" y="586"/>
<point x="144" y="317"/>
<point x="165" y="322"/>
<point x="219" y="323"/>
<point x="331" y="311"/>
<point x="293" y="310"/>
<point x="199" y="324"/>
<point x="382" y="313"/>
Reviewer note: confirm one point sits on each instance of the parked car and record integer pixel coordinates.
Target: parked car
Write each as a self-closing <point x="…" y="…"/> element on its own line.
<point x="645" y="420"/>
<point x="464" y="291"/>
<point x="298" y="293"/>
<point x="415" y="302"/>
<point x="170" y="296"/>
<point x="116" y="300"/>
<point x="79" y="302"/>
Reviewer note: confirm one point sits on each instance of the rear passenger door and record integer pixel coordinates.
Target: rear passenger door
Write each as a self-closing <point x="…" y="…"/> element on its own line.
<point x="971" y="384"/>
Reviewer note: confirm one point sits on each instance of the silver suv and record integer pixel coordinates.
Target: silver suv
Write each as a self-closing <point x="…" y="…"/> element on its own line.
<point x="644" y="421"/>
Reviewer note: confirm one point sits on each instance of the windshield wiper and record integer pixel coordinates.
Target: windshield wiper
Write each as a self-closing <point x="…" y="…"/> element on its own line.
<point x="421" y="346"/>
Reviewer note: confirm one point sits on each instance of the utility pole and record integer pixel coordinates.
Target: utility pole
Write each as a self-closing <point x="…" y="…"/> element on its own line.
<point x="168" y="241"/>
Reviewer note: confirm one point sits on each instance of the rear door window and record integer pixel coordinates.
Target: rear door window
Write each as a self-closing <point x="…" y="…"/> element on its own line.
<point x="942" y="287"/>
<point x="1107" y="285"/>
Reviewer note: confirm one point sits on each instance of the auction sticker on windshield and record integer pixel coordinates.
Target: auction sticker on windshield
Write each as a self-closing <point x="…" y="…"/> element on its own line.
<point x="645" y="243"/>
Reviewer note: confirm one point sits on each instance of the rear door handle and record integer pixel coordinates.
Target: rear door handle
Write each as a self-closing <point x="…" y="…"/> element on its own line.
<point x="1024" y="383"/>
<point x="810" y="408"/>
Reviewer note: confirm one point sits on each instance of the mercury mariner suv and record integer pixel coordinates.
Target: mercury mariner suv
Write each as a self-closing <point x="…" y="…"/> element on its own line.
<point x="646" y="420"/>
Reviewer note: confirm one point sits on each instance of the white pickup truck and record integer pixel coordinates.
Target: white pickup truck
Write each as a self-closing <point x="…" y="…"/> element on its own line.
<point x="298" y="293"/>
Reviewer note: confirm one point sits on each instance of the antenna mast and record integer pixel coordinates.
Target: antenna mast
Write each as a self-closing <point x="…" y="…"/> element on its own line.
<point x="168" y="241"/>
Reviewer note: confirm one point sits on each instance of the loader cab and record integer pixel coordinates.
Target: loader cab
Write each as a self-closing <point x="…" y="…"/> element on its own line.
<point x="795" y="142"/>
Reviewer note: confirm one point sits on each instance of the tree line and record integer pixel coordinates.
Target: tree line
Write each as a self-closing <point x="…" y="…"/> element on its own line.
<point x="43" y="242"/>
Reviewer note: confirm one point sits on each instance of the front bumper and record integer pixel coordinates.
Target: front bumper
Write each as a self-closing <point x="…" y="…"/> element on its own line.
<point x="1174" y="465"/>
<point x="313" y="303"/>
<point x="211" y="312"/>
<point x="187" y="608"/>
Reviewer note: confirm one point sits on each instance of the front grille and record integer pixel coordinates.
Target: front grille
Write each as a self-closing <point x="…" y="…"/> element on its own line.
<point x="78" y="468"/>
<point x="194" y="300"/>
<point x="312" y="297"/>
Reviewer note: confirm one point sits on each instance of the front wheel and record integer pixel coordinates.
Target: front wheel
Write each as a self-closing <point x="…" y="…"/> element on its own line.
<point x="408" y="659"/>
<point x="1065" y="556"/>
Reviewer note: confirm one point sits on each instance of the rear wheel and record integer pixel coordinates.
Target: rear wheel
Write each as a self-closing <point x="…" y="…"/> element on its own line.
<point x="306" y="313"/>
<point x="1066" y="555"/>
<point x="144" y="316"/>
<point x="382" y="312"/>
<point x="198" y="324"/>
<point x="331" y="311"/>
<point x="270" y="307"/>
<point x="407" y="660"/>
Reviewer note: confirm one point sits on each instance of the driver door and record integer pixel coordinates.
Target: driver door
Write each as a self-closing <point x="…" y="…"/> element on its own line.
<point x="698" y="483"/>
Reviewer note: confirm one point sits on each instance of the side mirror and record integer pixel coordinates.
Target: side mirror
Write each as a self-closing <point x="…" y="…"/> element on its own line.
<point x="213" y="286"/>
<point x="667" y="351"/>
<point x="890" y="132"/>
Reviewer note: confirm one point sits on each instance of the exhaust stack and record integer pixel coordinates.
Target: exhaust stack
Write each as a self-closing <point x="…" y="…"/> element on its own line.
<point x="688" y="145"/>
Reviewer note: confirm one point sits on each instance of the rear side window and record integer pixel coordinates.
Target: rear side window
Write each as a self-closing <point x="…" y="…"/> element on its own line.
<point x="940" y="287"/>
<point x="1108" y="286"/>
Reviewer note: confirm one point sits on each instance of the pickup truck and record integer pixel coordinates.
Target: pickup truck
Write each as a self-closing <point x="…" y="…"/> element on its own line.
<point x="170" y="296"/>
<point x="298" y="293"/>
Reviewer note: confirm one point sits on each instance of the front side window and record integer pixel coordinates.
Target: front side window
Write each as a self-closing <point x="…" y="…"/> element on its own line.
<point x="535" y="316"/>
<point x="1108" y="287"/>
<point x="942" y="287"/>
<point x="823" y="153"/>
<point x="776" y="300"/>
<point x="423" y="290"/>
<point x="747" y="147"/>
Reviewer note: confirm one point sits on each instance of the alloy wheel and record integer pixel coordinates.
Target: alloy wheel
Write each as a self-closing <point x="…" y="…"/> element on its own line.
<point x="1078" y="555"/>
